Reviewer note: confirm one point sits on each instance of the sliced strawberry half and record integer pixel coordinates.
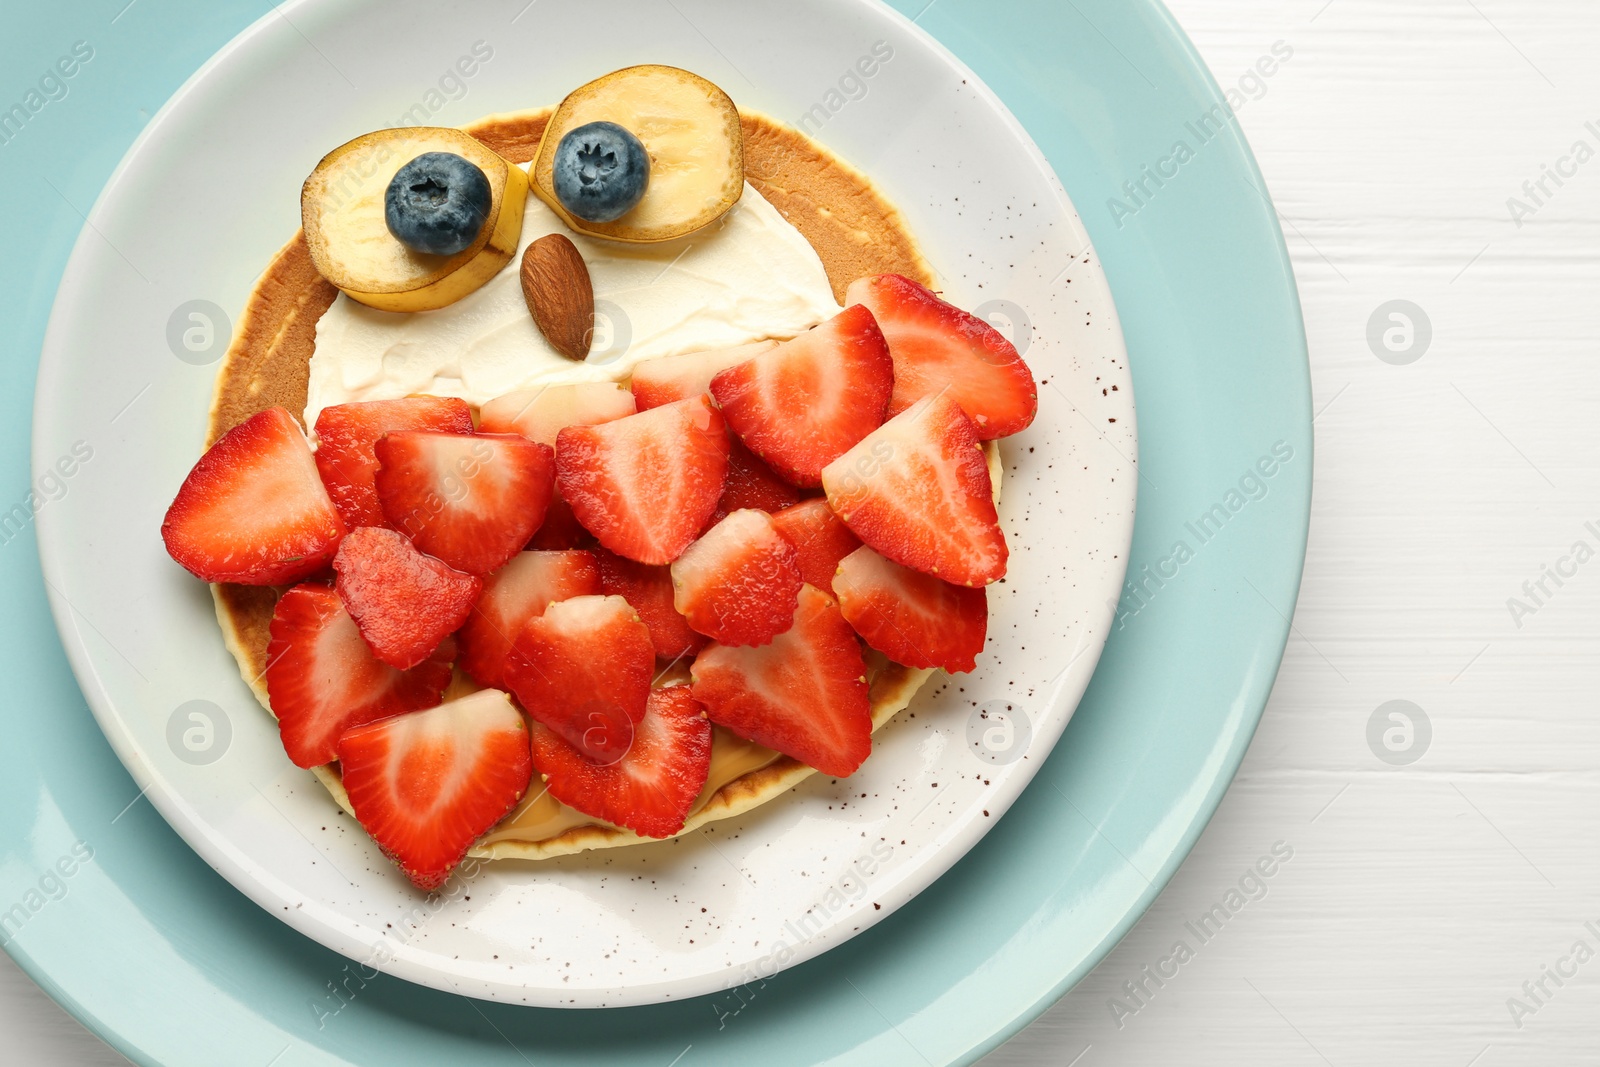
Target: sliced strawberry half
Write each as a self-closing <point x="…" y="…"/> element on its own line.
<point x="805" y="694"/>
<point x="937" y="346"/>
<point x="253" y="511"/>
<point x="583" y="669"/>
<point x="652" y="787"/>
<point x="471" y="501"/>
<point x="820" y="537"/>
<point x="648" y="589"/>
<point x="322" y="678"/>
<point x="911" y="617"/>
<point x="918" y="490"/>
<point x="512" y="595"/>
<point x="739" y="583"/>
<point x="645" y="485"/>
<point x="346" y="434"/>
<point x="752" y="484"/>
<point x="668" y="379"/>
<point x="803" y="404"/>
<point x="404" y="602"/>
<point x="539" y="414"/>
<point x="426" y="784"/>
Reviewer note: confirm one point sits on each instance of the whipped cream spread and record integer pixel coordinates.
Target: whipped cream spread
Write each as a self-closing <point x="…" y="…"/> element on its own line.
<point x="748" y="277"/>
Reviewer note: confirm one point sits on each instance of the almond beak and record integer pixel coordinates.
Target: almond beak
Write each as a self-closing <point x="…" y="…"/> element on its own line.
<point x="555" y="283"/>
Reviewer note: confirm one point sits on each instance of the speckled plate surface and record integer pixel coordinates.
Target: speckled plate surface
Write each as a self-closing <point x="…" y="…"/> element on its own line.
<point x="739" y="900"/>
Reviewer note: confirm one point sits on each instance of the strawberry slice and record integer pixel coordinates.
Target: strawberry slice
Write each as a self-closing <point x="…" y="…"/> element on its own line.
<point x="820" y="537"/>
<point x="347" y="432"/>
<point x="539" y="414"/>
<point x="803" y="404"/>
<point x="512" y="595"/>
<point x="471" y="501"/>
<point x="651" y="787"/>
<point x="426" y="784"/>
<point x="648" y="590"/>
<point x="322" y="679"/>
<point x="405" y="603"/>
<point x="804" y="695"/>
<point x="583" y="669"/>
<point x="911" y="617"/>
<point x="937" y="346"/>
<point x="560" y="529"/>
<point x="645" y="485"/>
<point x="739" y="583"/>
<point x="918" y="490"/>
<point x="253" y="511"/>
<point x="668" y="379"/>
<point x="751" y="484"/>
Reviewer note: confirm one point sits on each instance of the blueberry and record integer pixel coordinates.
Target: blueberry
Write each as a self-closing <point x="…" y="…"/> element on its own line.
<point x="601" y="171"/>
<point x="438" y="203"/>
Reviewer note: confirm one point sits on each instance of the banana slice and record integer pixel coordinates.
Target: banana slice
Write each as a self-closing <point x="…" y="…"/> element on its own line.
<point x="342" y="212"/>
<point x="690" y="129"/>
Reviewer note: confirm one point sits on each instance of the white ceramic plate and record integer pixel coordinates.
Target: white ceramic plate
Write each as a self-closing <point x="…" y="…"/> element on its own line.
<point x="197" y="209"/>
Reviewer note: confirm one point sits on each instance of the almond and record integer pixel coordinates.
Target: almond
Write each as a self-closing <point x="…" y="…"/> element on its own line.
<point x="555" y="282"/>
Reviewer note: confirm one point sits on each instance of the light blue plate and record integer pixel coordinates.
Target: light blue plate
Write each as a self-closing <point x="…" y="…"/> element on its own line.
<point x="170" y="964"/>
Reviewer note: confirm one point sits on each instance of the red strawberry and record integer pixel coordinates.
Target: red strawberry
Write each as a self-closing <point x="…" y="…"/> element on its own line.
<point x="645" y="485"/>
<point x="740" y="582"/>
<point x="322" y="678"/>
<point x="918" y="491"/>
<point x="819" y="536"/>
<point x="347" y="432"/>
<point x="540" y="413"/>
<point x="669" y="379"/>
<point x="471" y="501"/>
<point x="512" y="595"/>
<point x="583" y="669"/>
<point x="751" y="484"/>
<point x="804" y="695"/>
<point x="802" y="405"/>
<point x="426" y="784"/>
<point x="561" y="528"/>
<point x="253" y="511"/>
<point x="651" y="788"/>
<point x="937" y="346"/>
<point x="404" y="602"/>
<point x="648" y="590"/>
<point x="911" y="617"/>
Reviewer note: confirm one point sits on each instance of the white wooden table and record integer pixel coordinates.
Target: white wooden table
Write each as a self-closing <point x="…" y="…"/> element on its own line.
<point x="1419" y="898"/>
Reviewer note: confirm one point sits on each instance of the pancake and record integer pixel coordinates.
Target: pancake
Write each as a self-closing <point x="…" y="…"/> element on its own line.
<point x="854" y="231"/>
